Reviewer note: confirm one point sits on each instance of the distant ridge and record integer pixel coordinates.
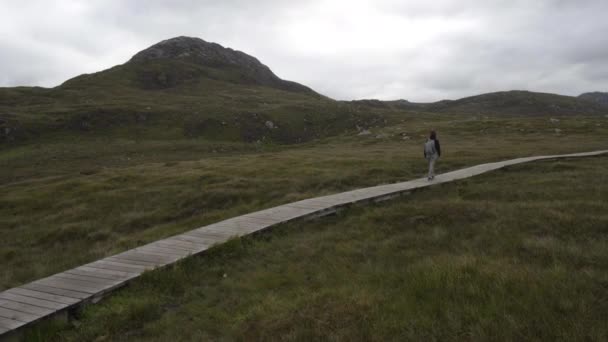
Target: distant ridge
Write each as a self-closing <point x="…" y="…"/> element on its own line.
<point x="514" y="102"/>
<point x="597" y="97"/>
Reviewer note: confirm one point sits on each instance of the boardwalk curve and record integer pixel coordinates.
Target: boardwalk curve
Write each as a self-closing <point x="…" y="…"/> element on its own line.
<point x="58" y="294"/>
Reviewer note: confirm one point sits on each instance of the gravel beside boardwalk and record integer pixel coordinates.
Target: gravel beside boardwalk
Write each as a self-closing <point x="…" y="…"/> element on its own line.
<point x="55" y="295"/>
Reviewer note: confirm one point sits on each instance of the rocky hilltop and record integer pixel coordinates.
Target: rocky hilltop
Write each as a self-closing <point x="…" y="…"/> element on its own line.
<point x="245" y="68"/>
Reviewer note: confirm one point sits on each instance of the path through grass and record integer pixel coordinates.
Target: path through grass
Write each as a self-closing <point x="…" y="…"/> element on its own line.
<point x="518" y="254"/>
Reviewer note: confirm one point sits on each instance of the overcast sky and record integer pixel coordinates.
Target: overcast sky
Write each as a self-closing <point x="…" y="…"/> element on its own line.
<point x="420" y="50"/>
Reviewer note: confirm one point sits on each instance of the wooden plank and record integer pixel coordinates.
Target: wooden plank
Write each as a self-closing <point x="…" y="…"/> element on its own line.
<point x="152" y="256"/>
<point x="10" y="324"/>
<point x="230" y="231"/>
<point x="191" y="249"/>
<point x="310" y="205"/>
<point x="4" y="330"/>
<point x="164" y="244"/>
<point x="237" y="224"/>
<point x="27" y="308"/>
<point x="68" y="284"/>
<point x="139" y="256"/>
<point x="133" y="262"/>
<point x="205" y="236"/>
<point x="107" y="266"/>
<point x="122" y="274"/>
<point x="125" y="264"/>
<point x="86" y="280"/>
<point x="192" y="238"/>
<point x="318" y="201"/>
<point x="32" y="301"/>
<point x="223" y="229"/>
<point x="96" y="275"/>
<point x="186" y="244"/>
<point x="57" y="291"/>
<point x="263" y="218"/>
<point x="42" y="295"/>
<point x="18" y="315"/>
<point x="163" y="251"/>
<point x="209" y="237"/>
<point x="171" y="258"/>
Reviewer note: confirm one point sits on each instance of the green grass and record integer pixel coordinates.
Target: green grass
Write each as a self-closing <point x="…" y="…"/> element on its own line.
<point x="518" y="254"/>
<point x="64" y="204"/>
<point x="109" y="161"/>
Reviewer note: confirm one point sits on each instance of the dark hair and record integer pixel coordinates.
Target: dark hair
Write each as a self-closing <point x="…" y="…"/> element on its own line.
<point x="433" y="135"/>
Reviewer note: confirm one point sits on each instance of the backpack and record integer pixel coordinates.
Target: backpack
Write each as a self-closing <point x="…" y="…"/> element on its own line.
<point x="429" y="148"/>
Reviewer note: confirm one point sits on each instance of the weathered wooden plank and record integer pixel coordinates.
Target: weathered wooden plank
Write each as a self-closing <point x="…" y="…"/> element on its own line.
<point x="282" y="216"/>
<point x="125" y="264"/>
<point x="32" y="301"/>
<point x="192" y="238"/>
<point x="267" y="219"/>
<point x="237" y="225"/>
<point x="27" y="308"/>
<point x="10" y="324"/>
<point x="215" y="233"/>
<point x="105" y="265"/>
<point x="165" y="244"/>
<point x="186" y="244"/>
<point x="210" y="237"/>
<point x="222" y="229"/>
<point x="284" y="212"/>
<point x="225" y="233"/>
<point x="68" y="284"/>
<point x="87" y="280"/>
<point x="123" y="275"/>
<point x="139" y="256"/>
<point x="229" y="228"/>
<point x="43" y="295"/>
<point x="190" y="250"/>
<point x="153" y="265"/>
<point x="309" y="205"/>
<point x="163" y="251"/>
<point x="95" y="275"/>
<point x="18" y="315"/>
<point x="57" y="291"/>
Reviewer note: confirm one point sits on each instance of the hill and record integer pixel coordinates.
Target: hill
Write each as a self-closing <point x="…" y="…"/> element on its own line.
<point x="187" y="88"/>
<point x="597" y="97"/>
<point x="514" y="102"/>
<point x="179" y="88"/>
<point x="519" y="102"/>
<point x="183" y="61"/>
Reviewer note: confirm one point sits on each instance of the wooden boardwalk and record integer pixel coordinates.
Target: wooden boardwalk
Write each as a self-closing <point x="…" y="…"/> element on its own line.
<point x="21" y="306"/>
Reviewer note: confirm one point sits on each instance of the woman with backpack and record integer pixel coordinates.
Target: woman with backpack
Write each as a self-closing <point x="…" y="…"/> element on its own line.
<point x="432" y="151"/>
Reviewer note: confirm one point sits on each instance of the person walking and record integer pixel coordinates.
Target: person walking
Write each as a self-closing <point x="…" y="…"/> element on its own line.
<point x="432" y="152"/>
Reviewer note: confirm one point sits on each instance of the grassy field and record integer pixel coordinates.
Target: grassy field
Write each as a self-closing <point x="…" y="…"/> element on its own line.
<point x="64" y="204"/>
<point x="518" y="254"/>
<point x="148" y="149"/>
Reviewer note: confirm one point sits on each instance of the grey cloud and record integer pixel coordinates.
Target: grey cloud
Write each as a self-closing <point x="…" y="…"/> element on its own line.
<point x="418" y="50"/>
